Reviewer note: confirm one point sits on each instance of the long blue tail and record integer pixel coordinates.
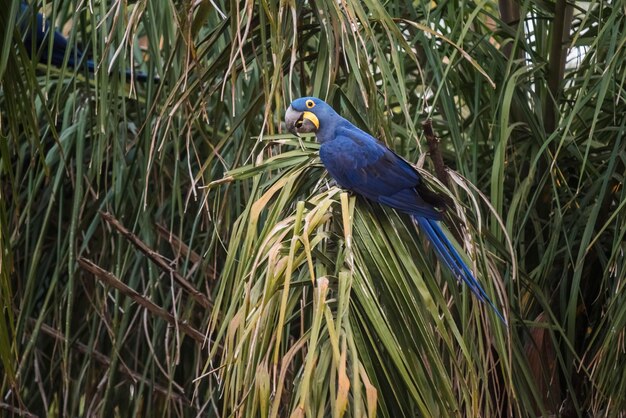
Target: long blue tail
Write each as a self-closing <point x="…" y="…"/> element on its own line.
<point x="452" y="259"/>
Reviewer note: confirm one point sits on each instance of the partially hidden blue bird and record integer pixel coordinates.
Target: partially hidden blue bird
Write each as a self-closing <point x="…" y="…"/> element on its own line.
<point x="36" y="32"/>
<point x="360" y="163"/>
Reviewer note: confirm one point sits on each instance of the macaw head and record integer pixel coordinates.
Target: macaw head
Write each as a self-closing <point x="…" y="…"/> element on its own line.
<point x="308" y="114"/>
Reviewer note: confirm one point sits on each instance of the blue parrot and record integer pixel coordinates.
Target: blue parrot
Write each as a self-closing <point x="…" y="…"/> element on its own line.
<point x="41" y="32"/>
<point x="360" y="163"/>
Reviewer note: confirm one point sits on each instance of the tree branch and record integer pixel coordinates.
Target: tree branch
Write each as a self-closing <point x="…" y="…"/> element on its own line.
<point x="157" y="259"/>
<point x="109" y="279"/>
<point x="435" y="153"/>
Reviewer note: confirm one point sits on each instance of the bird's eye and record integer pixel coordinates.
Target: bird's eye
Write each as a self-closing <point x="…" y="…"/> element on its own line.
<point x="310" y="103"/>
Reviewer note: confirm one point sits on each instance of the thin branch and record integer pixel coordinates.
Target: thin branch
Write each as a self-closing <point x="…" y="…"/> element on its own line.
<point x="563" y="13"/>
<point x="510" y="16"/>
<point x="18" y="411"/>
<point x="435" y="152"/>
<point x="179" y="247"/>
<point x="157" y="259"/>
<point x="103" y="359"/>
<point x="109" y="279"/>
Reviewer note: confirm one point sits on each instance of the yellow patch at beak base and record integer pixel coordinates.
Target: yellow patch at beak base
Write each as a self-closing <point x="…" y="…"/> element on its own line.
<point x="311" y="116"/>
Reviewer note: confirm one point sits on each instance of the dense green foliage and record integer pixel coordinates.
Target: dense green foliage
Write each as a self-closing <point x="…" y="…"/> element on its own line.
<point x="167" y="249"/>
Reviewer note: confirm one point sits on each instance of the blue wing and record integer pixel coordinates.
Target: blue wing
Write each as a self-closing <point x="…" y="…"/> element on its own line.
<point x="358" y="162"/>
<point x="42" y="31"/>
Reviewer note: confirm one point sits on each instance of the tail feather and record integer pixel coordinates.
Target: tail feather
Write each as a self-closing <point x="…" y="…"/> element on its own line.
<point x="453" y="261"/>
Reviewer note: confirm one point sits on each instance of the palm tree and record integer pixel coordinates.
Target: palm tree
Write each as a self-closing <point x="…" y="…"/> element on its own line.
<point x="168" y="249"/>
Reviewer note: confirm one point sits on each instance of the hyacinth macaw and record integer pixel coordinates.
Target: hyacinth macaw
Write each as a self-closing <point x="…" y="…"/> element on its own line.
<point x="360" y="163"/>
<point x="36" y="41"/>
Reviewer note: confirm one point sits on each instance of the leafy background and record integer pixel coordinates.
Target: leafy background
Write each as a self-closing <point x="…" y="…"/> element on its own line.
<point x="168" y="250"/>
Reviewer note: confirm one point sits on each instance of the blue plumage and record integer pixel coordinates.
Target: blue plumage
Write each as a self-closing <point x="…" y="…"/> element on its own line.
<point x="36" y="33"/>
<point x="362" y="164"/>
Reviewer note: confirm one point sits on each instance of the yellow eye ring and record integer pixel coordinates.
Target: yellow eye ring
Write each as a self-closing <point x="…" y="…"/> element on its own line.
<point x="310" y="103"/>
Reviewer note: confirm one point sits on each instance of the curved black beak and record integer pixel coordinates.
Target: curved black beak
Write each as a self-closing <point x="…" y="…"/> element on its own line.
<point x="301" y="122"/>
<point x="293" y="120"/>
